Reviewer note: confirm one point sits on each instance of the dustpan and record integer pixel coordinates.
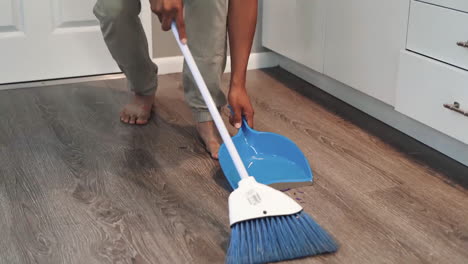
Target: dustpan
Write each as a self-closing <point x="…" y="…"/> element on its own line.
<point x="274" y="159"/>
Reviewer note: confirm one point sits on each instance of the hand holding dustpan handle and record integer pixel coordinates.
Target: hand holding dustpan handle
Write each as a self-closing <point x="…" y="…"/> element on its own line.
<point x="244" y="120"/>
<point x="211" y="105"/>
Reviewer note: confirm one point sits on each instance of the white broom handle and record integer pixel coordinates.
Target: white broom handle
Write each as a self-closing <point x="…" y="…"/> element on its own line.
<point x="211" y="105"/>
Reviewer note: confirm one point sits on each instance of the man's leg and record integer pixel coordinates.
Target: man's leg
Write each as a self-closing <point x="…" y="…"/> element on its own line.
<point x="126" y="40"/>
<point x="206" y="26"/>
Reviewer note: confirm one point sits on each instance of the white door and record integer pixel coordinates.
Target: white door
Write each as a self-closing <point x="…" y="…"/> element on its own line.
<point x="51" y="39"/>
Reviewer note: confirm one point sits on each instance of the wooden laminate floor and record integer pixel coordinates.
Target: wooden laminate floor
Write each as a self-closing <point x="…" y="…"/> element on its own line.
<point x="77" y="186"/>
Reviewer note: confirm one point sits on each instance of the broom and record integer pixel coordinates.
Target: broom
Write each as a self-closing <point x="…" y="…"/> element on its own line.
<point x="266" y="224"/>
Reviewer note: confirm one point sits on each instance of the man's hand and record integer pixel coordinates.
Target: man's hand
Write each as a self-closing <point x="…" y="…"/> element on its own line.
<point x="168" y="11"/>
<point x="241" y="106"/>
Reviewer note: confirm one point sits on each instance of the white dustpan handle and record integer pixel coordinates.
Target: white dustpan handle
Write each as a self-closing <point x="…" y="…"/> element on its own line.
<point x="211" y="105"/>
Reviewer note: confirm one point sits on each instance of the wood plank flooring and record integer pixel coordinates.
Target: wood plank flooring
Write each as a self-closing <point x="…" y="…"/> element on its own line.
<point x="77" y="186"/>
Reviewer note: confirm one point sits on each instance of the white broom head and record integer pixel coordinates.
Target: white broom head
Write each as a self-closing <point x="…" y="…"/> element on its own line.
<point x="254" y="200"/>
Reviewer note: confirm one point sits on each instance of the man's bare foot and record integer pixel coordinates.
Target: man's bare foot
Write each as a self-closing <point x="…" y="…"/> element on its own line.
<point x="138" y="111"/>
<point x="210" y="136"/>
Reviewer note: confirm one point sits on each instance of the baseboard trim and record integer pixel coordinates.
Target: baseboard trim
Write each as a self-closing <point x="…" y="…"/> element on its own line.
<point x="168" y="65"/>
<point x="42" y="83"/>
<point x="386" y="113"/>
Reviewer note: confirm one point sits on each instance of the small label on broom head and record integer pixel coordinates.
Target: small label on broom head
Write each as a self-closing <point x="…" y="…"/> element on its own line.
<point x="253" y="197"/>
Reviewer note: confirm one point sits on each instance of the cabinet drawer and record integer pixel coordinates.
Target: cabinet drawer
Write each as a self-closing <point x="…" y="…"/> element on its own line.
<point x="435" y="31"/>
<point x="424" y="86"/>
<point x="461" y="5"/>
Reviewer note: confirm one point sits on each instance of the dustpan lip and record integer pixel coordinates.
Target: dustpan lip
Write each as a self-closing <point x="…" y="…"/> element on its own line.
<point x="241" y="133"/>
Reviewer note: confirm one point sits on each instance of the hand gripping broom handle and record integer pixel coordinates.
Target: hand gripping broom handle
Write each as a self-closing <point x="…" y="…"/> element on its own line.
<point x="211" y="105"/>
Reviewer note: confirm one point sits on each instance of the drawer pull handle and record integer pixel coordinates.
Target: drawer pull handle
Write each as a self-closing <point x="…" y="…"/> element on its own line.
<point x="456" y="107"/>
<point x="463" y="44"/>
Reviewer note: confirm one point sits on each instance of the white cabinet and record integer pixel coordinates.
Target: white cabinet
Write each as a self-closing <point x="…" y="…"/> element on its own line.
<point x="363" y="39"/>
<point x="294" y="29"/>
<point x="425" y="86"/>
<point x="356" y="45"/>
<point x="428" y="84"/>
<point x="439" y="33"/>
<point x="356" y="42"/>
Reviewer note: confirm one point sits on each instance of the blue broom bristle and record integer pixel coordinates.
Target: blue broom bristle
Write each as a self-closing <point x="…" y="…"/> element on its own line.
<point x="277" y="238"/>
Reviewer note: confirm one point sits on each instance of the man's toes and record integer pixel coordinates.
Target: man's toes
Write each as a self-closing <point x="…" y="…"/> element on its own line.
<point x="124" y="118"/>
<point x="132" y="120"/>
<point x="213" y="148"/>
<point x="141" y="121"/>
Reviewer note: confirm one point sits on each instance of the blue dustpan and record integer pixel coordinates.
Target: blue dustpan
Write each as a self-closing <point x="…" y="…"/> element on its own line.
<point x="271" y="158"/>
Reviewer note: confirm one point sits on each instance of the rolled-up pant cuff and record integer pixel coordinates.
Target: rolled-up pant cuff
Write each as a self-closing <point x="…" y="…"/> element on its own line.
<point x="202" y="115"/>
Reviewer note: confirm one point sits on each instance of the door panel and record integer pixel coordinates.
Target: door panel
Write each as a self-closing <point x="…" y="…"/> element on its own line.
<point x="50" y="39"/>
<point x="11" y="18"/>
<point x="72" y="13"/>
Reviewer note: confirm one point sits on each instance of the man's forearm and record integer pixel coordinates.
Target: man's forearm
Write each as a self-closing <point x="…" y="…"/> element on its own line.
<point x="242" y="20"/>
